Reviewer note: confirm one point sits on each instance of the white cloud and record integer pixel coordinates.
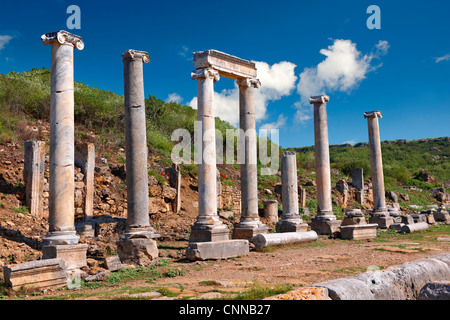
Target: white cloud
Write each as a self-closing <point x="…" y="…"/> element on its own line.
<point x="185" y="53"/>
<point x="4" y="39"/>
<point x="443" y="58"/>
<point x="352" y="142"/>
<point x="277" y="80"/>
<point x="342" y="70"/>
<point x="174" y="97"/>
<point x="281" y="121"/>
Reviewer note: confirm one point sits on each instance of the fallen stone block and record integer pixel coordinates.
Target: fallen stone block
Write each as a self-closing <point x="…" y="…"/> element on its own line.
<point x="217" y="249"/>
<point x="113" y="263"/>
<point x="359" y="231"/>
<point x="99" y="276"/>
<point x="73" y="255"/>
<point x="436" y="290"/>
<point x="42" y="274"/>
<point x="308" y="293"/>
<point x="274" y="239"/>
<point x="410" y="228"/>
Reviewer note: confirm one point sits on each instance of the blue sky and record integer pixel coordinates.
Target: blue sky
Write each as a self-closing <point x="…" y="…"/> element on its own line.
<point x="401" y="69"/>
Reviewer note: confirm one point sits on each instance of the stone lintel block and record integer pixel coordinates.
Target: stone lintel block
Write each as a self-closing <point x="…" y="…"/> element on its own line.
<point x="227" y="65"/>
<point x="248" y="233"/>
<point x="113" y="263"/>
<point x="85" y="229"/>
<point x="326" y="227"/>
<point x="383" y="222"/>
<point x="217" y="250"/>
<point x="272" y="239"/>
<point x="359" y="232"/>
<point x="43" y="274"/>
<point x="74" y="256"/>
<point x="140" y="251"/>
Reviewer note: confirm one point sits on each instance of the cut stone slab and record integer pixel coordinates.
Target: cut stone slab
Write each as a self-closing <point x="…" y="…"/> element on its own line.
<point x="248" y="233"/>
<point x="113" y="263"/>
<point x="407" y="219"/>
<point x="73" y="255"/>
<point x="326" y="227"/>
<point x="273" y="239"/>
<point x="42" y="274"/>
<point x="286" y="225"/>
<point x="217" y="249"/>
<point x="436" y="290"/>
<point x="383" y="222"/>
<point x="410" y="228"/>
<point x="85" y="229"/>
<point x="359" y="231"/>
<point x="140" y="251"/>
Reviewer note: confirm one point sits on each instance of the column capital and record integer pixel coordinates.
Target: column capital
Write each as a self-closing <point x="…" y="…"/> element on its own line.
<point x="204" y="73"/>
<point x="373" y="114"/>
<point x="319" y="99"/>
<point x="249" y="82"/>
<point x="63" y="37"/>
<point x="135" y="54"/>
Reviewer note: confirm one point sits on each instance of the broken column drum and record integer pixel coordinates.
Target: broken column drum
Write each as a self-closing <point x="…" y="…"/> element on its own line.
<point x="61" y="195"/>
<point x="290" y="219"/>
<point x="325" y="222"/>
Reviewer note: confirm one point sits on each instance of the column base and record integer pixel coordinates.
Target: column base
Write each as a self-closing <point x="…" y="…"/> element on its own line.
<point x="140" y="233"/>
<point x="291" y="225"/>
<point x="359" y="231"/>
<point x="139" y="251"/>
<point x="326" y="227"/>
<point x="201" y="232"/>
<point x="217" y="250"/>
<point x="60" y="238"/>
<point x="85" y="229"/>
<point x="383" y="221"/>
<point x="74" y="256"/>
<point x="246" y="230"/>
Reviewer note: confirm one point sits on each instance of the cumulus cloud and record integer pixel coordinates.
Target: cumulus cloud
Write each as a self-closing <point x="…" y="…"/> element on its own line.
<point x="174" y="97"/>
<point x="4" y="40"/>
<point x="277" y="80"/>
<point x="443" y="58"/>
<point x="342" y="70"/>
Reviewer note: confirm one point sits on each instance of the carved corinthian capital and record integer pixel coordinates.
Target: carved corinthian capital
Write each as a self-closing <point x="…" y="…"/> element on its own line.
<point x="135" y="54"/>
<point x="249" y="82"/>
<point x="63" y="37"/>
<point x="373" y="114"/>
<point x="205" y="72"/>
<point x="319" y="99"/>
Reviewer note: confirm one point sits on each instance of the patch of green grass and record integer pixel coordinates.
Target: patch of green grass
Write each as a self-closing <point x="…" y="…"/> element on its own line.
<point x="259" y="292"/>
<point x="22" y="209"/>
<point x="351" y="270"/>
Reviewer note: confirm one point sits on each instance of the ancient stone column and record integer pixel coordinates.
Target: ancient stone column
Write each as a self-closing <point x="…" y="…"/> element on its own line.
<point x="207" y="227"/>
<point x="302" y="197"/>
<point x="249" y="224"/>
<point x="380" y="213"/>
<point x="290" y="219"/>
<point x="61" y="198"/>
<point x="33" y="175"/>
<point x="358" y="184"/>
<point x="325" y="222"/>
<point x="175" y="182"/>
<point x="85" y="159"/>
<point x="136" y="244"/>
<point x="270" y="210"/>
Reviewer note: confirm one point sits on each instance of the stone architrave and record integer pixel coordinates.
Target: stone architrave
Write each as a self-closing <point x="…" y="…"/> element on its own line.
<point x="85" y="159"/>
<point x="325" y="222"/>
<point x="33" y="175"/>
<point x="209" y="236"/>
<point x="74" y="256"/>
<point x="380" y="214"/>
<point x="136" y="244"/>
<point x="290" y="219"/>
<point x="249" y="224"/>
<point x="61" y="195"/>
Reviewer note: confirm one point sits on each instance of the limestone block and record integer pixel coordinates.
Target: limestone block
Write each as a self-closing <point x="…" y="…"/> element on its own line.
<point x="74" y="256"/>
<point x="436" y="290"/>
<point x="113" y="263"/>
<point x="140" y="251"/>
<point x="326" y="227"/>
<point x="383" y="221"/>
<point x="273" y="239"/>
<point x="359" y="232"/>
<point x="217" y="249"/>
<point x="43" y="274"/>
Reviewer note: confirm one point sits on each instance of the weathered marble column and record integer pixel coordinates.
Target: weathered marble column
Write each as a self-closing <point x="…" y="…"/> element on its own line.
<point x="290" y="219"/>
<point x="250" y="224"/>
<point x="33" y="175"/>
<point x="207" y="227"/>
<point x="380" y="212"/>
<point x="325" y="222"/>
<point x="358" y="183"/>
<point x="136" y="244"/>
<point x="61" y="197"/>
